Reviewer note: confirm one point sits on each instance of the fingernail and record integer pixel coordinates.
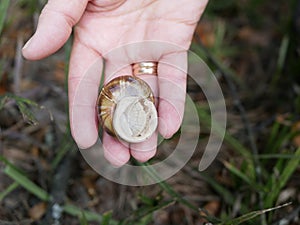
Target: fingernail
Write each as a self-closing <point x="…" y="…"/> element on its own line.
<point x="27" y="44"/>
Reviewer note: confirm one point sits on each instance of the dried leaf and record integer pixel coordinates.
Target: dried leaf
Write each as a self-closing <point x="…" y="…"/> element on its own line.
<point x="296" y="129"/>
<point x="89" y="185"/>
<point x="212" y="207"/>
<point x="4" y="87"/>
<point x="59" y="72"/>
<point x="37" y="211"/>
<point x="206" y="33"/>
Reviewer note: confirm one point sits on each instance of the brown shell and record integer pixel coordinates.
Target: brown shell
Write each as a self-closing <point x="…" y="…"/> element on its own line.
<point x="115" y="90"/>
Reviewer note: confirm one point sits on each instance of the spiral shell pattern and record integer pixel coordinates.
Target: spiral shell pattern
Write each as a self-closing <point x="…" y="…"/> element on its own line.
<point x="126" y="109"/>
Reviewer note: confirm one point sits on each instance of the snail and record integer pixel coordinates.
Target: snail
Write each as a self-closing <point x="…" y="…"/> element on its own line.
<point x="126" y="109"/>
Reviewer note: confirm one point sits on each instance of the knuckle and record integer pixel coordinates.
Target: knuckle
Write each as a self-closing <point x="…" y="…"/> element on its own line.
<point x="57" y="12"/>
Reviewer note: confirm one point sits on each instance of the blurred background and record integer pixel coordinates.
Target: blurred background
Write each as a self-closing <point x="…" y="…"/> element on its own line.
<point x="252" y="47"/>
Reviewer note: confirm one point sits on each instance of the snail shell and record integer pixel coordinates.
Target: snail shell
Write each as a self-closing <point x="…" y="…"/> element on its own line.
<point x="126" y="109"/>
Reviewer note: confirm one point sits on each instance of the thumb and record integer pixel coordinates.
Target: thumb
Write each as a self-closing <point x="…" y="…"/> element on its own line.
<point x="54" y="27"/>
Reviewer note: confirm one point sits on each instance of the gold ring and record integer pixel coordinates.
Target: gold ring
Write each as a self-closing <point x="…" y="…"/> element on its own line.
<point x="144" y="68"/>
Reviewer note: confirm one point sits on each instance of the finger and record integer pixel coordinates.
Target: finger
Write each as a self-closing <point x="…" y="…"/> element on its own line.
<point x="84" y="78"/>
<point x="115" y="152"/>
<point x="172" y="89"/>
<point x="145" y="150"/>
<point x="54" y="27"/>
<point x="113" y="70"/>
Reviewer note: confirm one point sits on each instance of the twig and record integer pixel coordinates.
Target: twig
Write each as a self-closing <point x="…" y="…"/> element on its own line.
<point x="237" y="103"/>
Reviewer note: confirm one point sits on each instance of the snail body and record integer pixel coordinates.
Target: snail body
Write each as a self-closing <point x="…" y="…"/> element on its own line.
<point x="126" y="109"/>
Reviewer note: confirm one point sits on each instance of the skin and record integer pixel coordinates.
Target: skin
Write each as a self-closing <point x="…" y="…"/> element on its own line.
<point x="102" y="26"/>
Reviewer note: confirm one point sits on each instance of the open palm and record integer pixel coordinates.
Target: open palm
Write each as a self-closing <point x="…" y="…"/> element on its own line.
<point x="105" y="31"/>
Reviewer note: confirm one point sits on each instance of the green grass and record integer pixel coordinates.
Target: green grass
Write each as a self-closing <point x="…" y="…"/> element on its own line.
<point x="8" y="190"/>
<point x="284" y="163"/>
<point x="249" y="216"/>
<point x="143" y="214"/>
<point x="21" y="180"/>
<point x="283" y="170"/>
<point x="26" y="183"/>
<point x="4" y="4"/>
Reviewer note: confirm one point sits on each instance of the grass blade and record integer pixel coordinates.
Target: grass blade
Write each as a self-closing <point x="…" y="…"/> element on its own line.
<point x="3" y="11"/>
<point x="206" y="118"/>
<point x="283" y="52"/>
<point x="222" y="191"/>
<point x="251" y="215"/>
<point x="9" y="189"/>
<point x="176" y="197"/>
<point x="240" y="174"/>
<point x="83" y="220"/>
<point x="64" y="147"/>
<point x="74" y="211"/>
<point x="26" y="183"/>
<point x="106" y="218"/>
<point x="167" y="188"/>
<point x="143" y="214"/>
<point x="282" y="136"/>
<point x="283" y="178"/>
<point x="90" y="216"/>
<point x="275" y="156"/>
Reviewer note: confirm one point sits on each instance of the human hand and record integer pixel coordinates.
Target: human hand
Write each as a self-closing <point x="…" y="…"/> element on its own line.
<point x="103" y="25"/>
